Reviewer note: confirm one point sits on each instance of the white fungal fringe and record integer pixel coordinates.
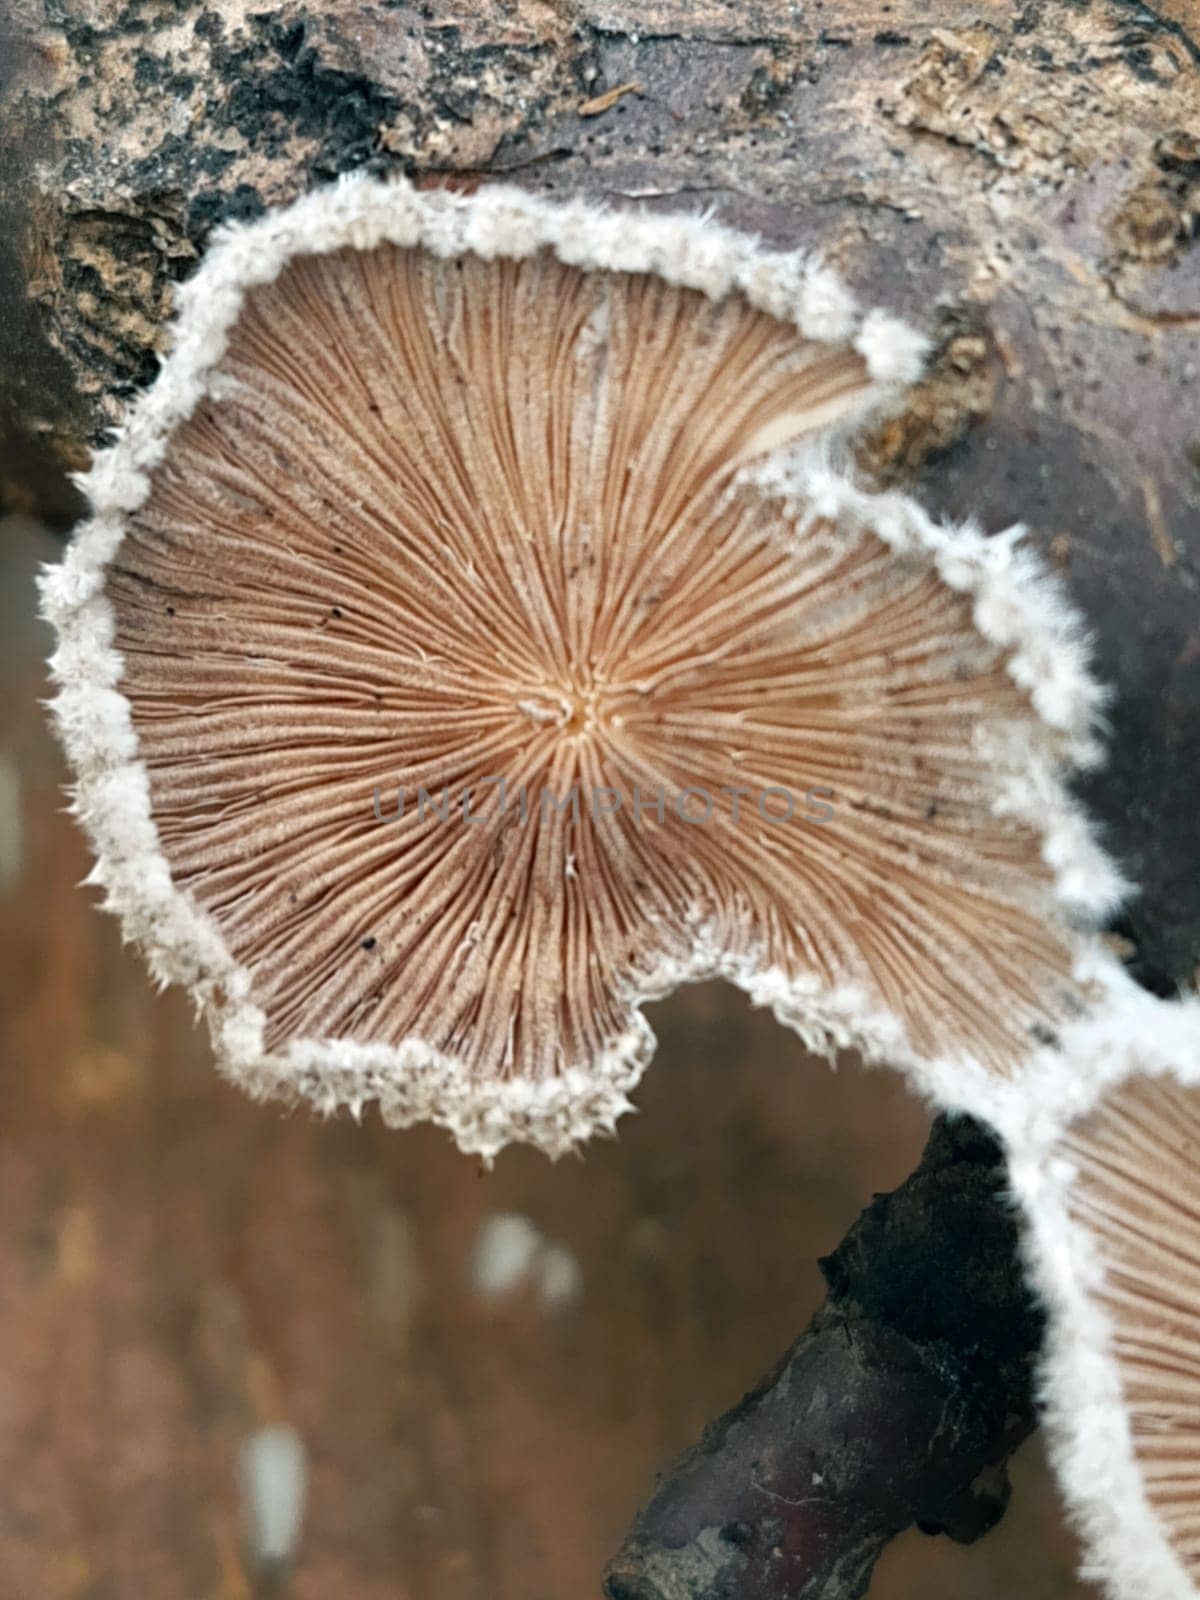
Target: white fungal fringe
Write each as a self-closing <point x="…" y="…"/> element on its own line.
<point x="413" y="1082"/>
<point x="499" y="222"/>
<point x="1085" y="1416"/>
<point x="1017" y="606"/>
<point x="1020" y="606"/>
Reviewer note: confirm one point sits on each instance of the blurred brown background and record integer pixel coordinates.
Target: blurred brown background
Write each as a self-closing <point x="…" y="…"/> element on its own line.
<point x="485" y="1369"/>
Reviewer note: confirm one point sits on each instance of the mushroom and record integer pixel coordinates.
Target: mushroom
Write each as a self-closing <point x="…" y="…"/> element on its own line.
<point x="1106" y="1163"/>
<point x="522" y="515"/>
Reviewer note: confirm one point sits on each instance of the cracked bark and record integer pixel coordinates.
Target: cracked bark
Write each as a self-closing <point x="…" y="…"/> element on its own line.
<point x="1023" y="183"/>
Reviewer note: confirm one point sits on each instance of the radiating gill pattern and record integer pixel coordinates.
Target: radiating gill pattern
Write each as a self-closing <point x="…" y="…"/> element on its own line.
<point x="442" y="520"/>
<point x="1137" y="1192"/>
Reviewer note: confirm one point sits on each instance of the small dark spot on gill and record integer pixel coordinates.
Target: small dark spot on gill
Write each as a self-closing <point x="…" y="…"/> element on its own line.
<point x="931" y="811"/>
<point x="1044" y="1035"/>
<point x="369" y="942"/>
<point x="170" y="611"/>
<point x="335" y="611"/>
<point x="337" y="550"/>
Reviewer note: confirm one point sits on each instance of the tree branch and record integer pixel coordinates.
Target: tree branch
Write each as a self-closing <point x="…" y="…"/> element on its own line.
<point x="899" y="1404"/>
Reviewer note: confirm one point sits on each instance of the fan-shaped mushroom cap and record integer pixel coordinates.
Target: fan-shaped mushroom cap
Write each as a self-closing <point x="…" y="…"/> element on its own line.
<point x="435" y="491"/>
<point x="1113" y="1206"/>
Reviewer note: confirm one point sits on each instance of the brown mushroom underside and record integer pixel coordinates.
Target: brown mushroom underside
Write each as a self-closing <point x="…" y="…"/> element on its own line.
<point x="1138" y="1194"/>
<point x="450" y="520"/>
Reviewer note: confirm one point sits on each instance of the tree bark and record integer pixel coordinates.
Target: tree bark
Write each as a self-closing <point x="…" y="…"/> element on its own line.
<point x="1022" y="182"/>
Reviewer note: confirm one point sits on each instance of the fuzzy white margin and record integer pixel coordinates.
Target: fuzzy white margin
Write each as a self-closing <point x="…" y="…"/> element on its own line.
<point x="1126" y="1549"/>
<point x="1017" y="605"/>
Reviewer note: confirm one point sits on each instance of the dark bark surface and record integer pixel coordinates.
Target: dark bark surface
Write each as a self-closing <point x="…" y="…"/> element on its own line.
<point x="899" y="1404"/>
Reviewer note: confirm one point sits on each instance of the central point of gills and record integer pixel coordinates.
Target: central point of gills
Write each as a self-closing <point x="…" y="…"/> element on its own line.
<point x="574" y="711"/>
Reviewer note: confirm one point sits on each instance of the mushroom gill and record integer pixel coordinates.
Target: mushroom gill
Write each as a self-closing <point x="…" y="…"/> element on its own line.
<point x="439" y="520"/>
<point x="1113" y="1205"/>
<point x="1137" y="1192"/>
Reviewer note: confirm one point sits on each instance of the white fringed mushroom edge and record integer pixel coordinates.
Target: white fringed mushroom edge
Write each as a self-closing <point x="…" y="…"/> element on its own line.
<point x="1126" y="1549"/>
<point x="1017" y="605"/>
